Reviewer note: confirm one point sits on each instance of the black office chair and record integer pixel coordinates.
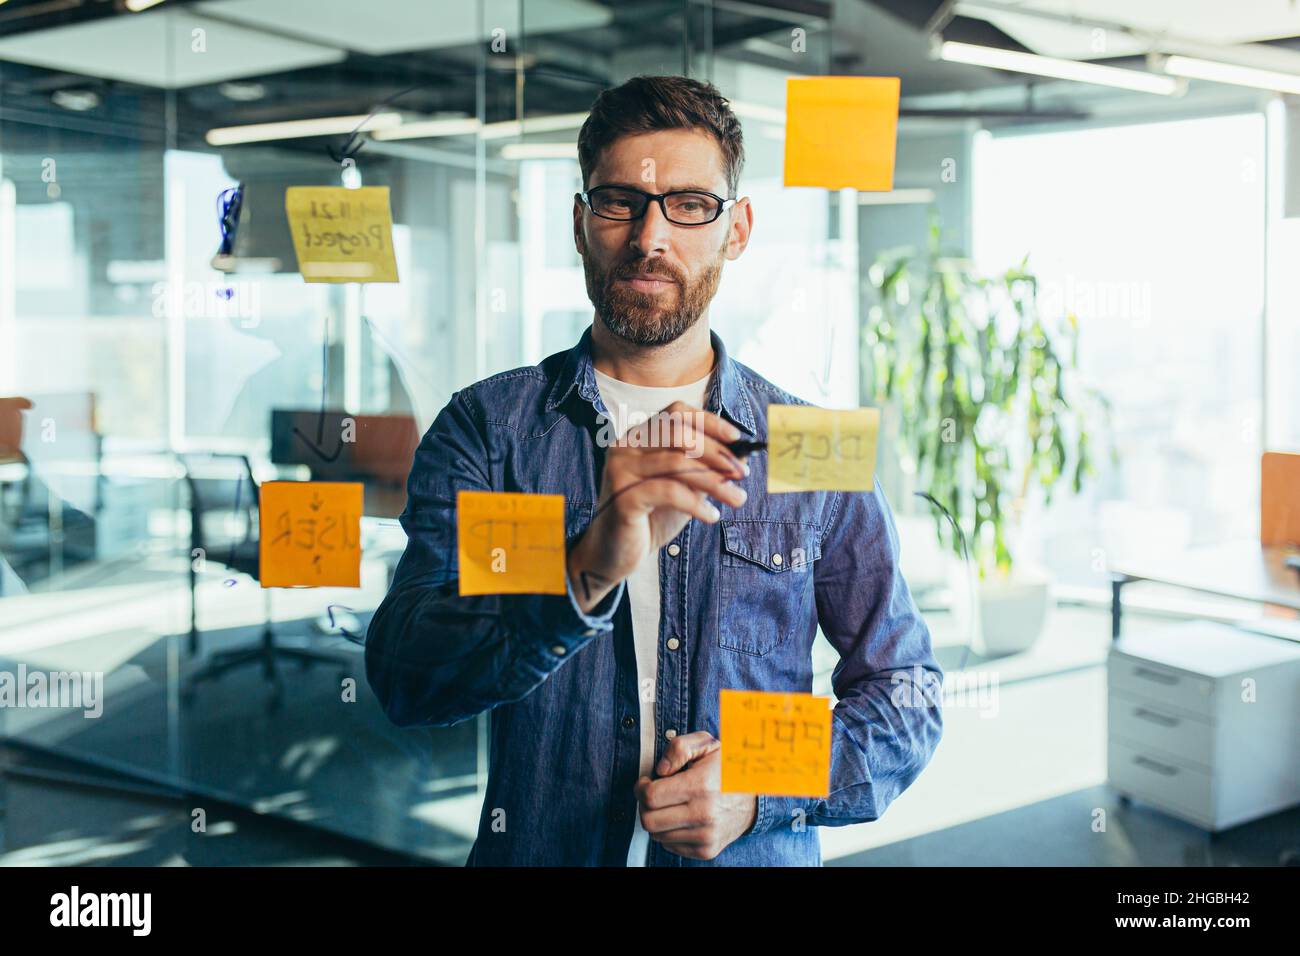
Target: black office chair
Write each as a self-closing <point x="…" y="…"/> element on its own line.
<point x="234" y="492"/>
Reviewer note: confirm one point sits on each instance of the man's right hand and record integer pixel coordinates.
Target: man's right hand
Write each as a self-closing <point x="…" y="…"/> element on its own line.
<point x="649" y="492"/>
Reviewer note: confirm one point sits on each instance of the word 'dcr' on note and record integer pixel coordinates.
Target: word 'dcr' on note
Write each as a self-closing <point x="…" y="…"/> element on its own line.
<point x="821" y="449"/>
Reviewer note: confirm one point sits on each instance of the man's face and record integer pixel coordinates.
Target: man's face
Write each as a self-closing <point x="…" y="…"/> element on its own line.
<point x="650" y="280"/>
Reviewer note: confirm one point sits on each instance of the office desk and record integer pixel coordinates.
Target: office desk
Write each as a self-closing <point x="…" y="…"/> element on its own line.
<point x="1240" y="569"/>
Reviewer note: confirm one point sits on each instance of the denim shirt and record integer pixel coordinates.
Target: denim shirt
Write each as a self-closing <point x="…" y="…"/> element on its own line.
<point x="742" y="597"/>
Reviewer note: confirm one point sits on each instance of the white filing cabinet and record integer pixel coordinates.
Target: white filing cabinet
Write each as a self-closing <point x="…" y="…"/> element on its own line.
<point x="1184" y="733"/>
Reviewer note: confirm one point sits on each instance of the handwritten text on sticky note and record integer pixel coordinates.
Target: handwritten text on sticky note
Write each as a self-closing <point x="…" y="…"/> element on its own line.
<point x="821" y="449"/>
<point x="775" y="743"/>
<point x="310" y="534"/>
<point x="841" y="131"/>
<point x="510" y="543"/>
<point x="342" y="235"/>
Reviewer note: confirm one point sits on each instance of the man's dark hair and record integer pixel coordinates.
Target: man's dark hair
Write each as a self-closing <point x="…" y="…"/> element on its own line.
<point x="647" y="103"/>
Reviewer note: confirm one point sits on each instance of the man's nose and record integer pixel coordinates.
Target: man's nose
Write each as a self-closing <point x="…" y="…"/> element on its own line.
<point x="652" y="232"/>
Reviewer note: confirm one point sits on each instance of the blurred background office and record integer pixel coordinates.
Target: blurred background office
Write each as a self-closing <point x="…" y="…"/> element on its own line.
<point x="144" y="394"/>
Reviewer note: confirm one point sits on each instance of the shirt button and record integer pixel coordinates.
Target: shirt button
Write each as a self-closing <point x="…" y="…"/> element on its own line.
<point x="589" y="632"/>
<point x="776" y="559"/>
<point x="670" y="733"/>
<point x="673" y="550"/>
<point x="629" y="722"/>
<point x="558" y="650"/>
<point x="673" y="643"/>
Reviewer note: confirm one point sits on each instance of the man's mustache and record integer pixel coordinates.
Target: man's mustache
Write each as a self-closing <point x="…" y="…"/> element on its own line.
<point x="650" y="271"/>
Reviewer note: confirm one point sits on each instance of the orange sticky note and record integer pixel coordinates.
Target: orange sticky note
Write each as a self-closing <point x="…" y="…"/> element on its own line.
<point x="840" y="131"/>
<point x="310" y="534"/>
<point x="510" y="543"/>
<point x="342" y="235"/>
<point x="775" y="743"/>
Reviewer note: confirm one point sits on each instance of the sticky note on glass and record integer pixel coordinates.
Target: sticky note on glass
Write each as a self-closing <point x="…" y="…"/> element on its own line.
<point x="841" y="131"/>
<point x="775" y="743"/>
<point x="510" y="543"/>
<point x="342" y="235"/>
<point x="310" y="534"/>
<point x="821" y="449"/>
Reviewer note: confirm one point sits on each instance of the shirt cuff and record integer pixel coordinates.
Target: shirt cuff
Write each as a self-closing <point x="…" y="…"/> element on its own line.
<point x="776" y="812"/>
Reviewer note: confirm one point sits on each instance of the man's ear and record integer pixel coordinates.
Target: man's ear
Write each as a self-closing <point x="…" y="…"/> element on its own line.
<point x="577" y="225"/>
<point x="742" y="223"/>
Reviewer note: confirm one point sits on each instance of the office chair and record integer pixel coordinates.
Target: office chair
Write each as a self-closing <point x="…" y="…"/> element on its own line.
<point x="236" y="492"/>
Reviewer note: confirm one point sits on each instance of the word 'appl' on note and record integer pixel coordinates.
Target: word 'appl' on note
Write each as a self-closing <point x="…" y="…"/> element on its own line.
<point x="310" y="534"/>
<point x="342" y="235"/>
<point x="775" y="743"/>
<point x="821" y="449"/>
<point x="841" y="132"/>
<point x="510" y="543"/>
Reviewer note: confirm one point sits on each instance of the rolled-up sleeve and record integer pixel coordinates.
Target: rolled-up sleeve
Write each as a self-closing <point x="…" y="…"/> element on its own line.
<point x="434" y="657"/>
<point x="888" y="720"/>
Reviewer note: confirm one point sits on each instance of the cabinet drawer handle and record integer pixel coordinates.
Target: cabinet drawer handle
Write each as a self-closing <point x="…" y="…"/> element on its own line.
<point x="1160" y="677"/>
<point x="1161" y="768"/>
<point x="1155" y="718"/>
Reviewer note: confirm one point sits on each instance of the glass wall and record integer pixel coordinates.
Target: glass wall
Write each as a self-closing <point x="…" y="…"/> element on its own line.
<point x="145" y="392"/>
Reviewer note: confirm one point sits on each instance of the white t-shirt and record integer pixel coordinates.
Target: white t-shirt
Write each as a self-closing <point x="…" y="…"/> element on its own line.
<point x="630" y="405"/>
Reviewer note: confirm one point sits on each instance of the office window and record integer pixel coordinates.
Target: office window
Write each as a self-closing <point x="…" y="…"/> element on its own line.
<point x="1153" y="235"/>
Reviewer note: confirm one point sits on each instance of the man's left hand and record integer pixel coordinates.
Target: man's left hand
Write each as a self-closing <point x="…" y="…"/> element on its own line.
<point x="683" y="809"/>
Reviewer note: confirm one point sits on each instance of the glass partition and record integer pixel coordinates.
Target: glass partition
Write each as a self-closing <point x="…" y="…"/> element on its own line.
<point x="148" y="387"/>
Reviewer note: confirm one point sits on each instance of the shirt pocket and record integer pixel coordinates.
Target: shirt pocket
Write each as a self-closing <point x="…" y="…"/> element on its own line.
<point x="765" y="582"/>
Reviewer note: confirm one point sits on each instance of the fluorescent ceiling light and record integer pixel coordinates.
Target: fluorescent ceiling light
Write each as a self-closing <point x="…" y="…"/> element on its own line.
<point x="896" y="197"/>
<point x="1198" y="69"/>
<point x="466" y="126"/>
<point x="539" y="151"/>
<point x="296" y="129"/>
<point x="135" y="6"/>
<point x="1058" y="69"/>
<point x="540" y="124"/>
<point x="424" y="129"/>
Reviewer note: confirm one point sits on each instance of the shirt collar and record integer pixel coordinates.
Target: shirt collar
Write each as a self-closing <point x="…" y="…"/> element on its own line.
<point x="726" y="394"/>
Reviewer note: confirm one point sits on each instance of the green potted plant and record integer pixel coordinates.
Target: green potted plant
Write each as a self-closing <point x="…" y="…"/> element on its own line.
<point x="987" y="410"/>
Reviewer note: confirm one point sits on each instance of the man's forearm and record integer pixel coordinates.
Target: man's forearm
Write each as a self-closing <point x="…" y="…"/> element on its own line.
<point x="589" y="583"/>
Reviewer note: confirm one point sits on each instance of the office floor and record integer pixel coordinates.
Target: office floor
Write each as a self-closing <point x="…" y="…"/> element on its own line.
<point x="1017" y="777"/>
<point x="53" y="813"/>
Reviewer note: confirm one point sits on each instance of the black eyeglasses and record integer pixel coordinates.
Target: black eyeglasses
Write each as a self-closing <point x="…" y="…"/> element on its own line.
<point x="682" y="207"/>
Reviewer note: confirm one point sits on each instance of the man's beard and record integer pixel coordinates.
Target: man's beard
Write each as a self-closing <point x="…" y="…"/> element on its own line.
<point x="638" y="317"/>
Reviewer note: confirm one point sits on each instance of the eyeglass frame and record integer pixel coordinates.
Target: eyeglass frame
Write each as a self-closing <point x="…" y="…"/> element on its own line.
<point x="723" y="204"/>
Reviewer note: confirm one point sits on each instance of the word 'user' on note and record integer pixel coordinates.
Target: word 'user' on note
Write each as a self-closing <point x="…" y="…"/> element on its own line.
<point x="841" y="132"/>
<point x="821" y="449"/>
<point x="510" y="543"/>
<point x="775" y="743"/>
<point x="340" y="234"/>
<point x="310" y="534"/>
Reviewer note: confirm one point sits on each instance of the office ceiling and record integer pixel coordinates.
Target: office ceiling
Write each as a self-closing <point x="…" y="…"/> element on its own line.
<point x="89" y="71"/>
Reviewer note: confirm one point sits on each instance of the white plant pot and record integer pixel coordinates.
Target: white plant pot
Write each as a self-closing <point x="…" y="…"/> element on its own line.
<point x="1011" y="614"/>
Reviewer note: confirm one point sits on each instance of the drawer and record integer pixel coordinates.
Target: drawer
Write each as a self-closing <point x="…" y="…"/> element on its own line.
<point x="1146" y="722"/>
<point x="1166" y="782"/>
<point x="1160" y="684"/>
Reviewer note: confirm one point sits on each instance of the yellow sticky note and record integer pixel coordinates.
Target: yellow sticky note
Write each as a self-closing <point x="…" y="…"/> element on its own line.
<point x="775" y="743"/>
<point x="821" y="449"/>
<point x="310" y="534"/>
<point x="840" y="131"/>
<point x="510" y="543"/>
<point x="342" y="235"/>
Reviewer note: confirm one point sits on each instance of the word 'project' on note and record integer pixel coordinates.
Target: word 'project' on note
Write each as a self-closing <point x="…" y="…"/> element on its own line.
<point x="510" y="543"/>
<point x="342" y="235"/>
